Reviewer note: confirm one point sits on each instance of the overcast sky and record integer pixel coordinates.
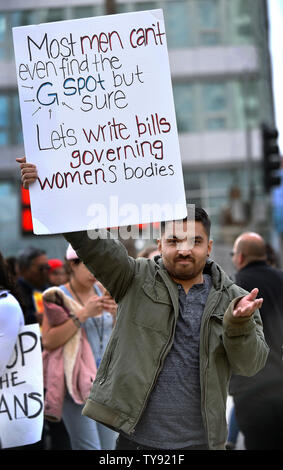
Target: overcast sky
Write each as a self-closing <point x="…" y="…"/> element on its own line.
<point x="276" y="45"/>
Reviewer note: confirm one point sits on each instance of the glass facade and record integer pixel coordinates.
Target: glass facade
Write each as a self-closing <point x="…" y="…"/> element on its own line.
<point x="10" y="119"/>
<point x="216" y="105"/>
<point x="195" y="23"/>
<point x="202" y="104"/>
<point x="9" y="207"/>
<point x="226" y="104"/>
<point x="189" y="23"/>
<point x="177" y="24"/>
<point x="209" y="22"/>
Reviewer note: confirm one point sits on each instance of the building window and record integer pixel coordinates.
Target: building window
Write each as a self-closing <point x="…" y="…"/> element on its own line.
<point x="143" y="6"/>
<point x="209" y="22"/>
<point x="9" y="222"/>
<point x="4" y="120"/>
<point x="211" y="106"/>
<point x="240" y="19"/>
<point x="249" y="95"/>
<point x="10" y="122"/>
<point x="244" y="25"/>
<point x="48" y="15"/>
<point x="185" y="107"/>
<point x="16" y="133"/>
<point x="123" y="7"/>
<point x="215" y="105"/>
<point x="23" y="18"/>
<point x="3" y="36"/>
<point x="177" y="17"/>
<point x="83" y="12"/>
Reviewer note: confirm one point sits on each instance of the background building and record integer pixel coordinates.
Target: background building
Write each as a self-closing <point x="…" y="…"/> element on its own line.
<point x="222" y="85"/>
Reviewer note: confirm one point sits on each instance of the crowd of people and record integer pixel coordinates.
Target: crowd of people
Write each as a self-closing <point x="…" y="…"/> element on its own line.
<point x="154" y="375"/>
<point x="30" y="284"/>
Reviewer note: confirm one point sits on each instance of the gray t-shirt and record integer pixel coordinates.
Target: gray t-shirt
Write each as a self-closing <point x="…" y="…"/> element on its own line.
<point x="172" y="418"/>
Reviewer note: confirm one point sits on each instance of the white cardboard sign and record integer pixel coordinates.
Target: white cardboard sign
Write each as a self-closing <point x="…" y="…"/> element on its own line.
<point x="99" y="122"/>
<point x="21" y="392"/>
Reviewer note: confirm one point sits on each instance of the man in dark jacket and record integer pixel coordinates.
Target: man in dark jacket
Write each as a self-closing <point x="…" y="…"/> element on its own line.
<point x="259" y="399"/>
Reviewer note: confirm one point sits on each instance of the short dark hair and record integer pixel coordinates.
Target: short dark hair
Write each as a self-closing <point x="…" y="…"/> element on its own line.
<point x="200" y="216"/>
<point x="7" y="282"/>
<point x="27" y="255"/>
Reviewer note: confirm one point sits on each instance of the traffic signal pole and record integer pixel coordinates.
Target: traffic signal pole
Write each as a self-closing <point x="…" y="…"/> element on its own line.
<point x="271" y="163"/>
<point x="271" y="158"/>
<point x="250" y="174"/>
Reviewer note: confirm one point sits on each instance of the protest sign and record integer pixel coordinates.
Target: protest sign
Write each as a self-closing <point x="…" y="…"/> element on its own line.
<point x="99" y="122"/>
<point x="21" y="392"/>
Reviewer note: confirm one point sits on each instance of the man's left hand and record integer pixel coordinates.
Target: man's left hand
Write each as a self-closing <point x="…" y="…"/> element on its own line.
<point x="247" y="305"/>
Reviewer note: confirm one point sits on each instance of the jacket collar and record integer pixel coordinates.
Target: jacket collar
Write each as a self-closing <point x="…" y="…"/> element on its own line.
<point x="254" y="264"/>
<point x="220" y="279"/>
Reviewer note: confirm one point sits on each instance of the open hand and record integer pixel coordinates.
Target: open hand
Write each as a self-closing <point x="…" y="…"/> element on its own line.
<point x="247" y="305"/>
<point x="28" y="172"/>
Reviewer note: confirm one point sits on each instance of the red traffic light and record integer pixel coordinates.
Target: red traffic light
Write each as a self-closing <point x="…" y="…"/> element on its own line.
<point x="26" y="217"/>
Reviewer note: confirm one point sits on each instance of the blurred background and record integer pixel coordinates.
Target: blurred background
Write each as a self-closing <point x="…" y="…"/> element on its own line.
<point x="226" y="58"/>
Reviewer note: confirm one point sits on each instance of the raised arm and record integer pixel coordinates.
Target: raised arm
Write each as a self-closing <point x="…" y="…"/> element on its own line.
<point x="107" y="259"/>
<point x="55" y="336"/>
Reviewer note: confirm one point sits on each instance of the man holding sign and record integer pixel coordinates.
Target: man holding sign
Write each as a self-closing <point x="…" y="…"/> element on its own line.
<point x="182" y="328"/>
<point x="101" y="109"/>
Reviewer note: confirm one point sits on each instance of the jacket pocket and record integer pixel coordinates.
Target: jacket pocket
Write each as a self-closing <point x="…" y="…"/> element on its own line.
<point x="106" y="361"/>
<point x="218" y="317"/>
<point x="154" y="307"/>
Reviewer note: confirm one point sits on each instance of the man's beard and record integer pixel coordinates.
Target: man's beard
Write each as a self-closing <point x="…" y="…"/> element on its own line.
<point x="187" y="272"/>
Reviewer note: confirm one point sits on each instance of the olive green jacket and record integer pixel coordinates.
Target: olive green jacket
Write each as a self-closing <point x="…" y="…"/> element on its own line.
<point x="148" y="308"/>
